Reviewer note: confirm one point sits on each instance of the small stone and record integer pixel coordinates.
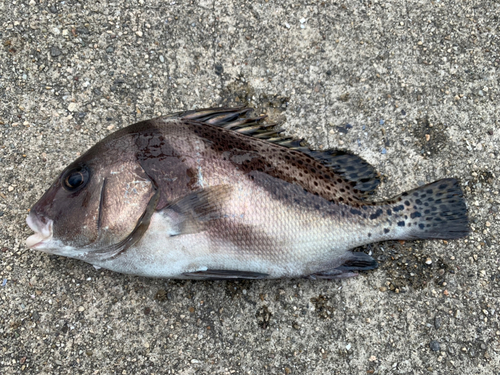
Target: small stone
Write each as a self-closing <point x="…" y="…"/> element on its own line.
<point x="110" y="49"/>
<point x="428" y="261"/>
<point x="219" y="69"/>
<point x="162" y="59"/>
<point x="488" y="224"/>
<point x="72" y="107"/>
<point x="382" y="122"/>
<point x="55" y="51"/>
<point x="81" y="308"/>
<point x="434" y="345"/>
<point x="437" y="322"/>
<point x="383" y="288"/>
<point x="139" y="33"/>
<point x="372" y="358"/>
<point x="427" y="137"/>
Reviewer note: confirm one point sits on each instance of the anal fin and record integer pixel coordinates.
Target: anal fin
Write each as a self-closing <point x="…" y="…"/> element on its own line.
<point x="357" y="261"/>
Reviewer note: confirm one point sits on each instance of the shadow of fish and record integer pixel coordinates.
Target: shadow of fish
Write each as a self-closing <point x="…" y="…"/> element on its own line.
<point x="215" y="194"/>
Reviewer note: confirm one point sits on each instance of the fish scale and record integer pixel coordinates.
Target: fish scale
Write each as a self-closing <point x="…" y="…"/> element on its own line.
<point x="224" y="195"/>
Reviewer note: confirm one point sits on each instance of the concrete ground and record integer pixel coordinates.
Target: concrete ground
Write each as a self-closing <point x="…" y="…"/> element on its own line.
<point x="411" y="86"/>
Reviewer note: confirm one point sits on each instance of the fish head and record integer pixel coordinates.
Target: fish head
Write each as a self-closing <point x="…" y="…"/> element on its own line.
<point x="94" y="206"/>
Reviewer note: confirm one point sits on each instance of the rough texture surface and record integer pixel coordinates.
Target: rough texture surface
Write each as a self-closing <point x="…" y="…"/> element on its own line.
<point x="412" y="87"/>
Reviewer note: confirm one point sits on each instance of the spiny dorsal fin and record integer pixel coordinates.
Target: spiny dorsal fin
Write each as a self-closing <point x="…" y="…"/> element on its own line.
<point x="349" y="166"/>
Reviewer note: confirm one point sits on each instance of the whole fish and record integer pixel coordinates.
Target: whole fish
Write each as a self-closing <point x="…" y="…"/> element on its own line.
<point x="216" y="194"/>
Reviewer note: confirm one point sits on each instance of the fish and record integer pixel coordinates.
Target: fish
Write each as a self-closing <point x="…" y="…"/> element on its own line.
<point x="220" y="194"/>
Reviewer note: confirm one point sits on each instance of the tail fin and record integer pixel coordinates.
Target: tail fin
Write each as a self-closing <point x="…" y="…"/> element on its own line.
<point x="436" y="210"/>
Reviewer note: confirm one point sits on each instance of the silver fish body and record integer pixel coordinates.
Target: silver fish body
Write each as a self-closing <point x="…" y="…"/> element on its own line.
<point x="215" y="194"/>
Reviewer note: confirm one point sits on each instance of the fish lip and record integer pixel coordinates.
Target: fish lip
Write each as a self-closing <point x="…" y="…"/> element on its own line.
<point x="43" y="228"/>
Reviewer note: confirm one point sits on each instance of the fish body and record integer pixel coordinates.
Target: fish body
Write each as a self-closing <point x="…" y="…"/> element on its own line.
<point x="214" y="194"/>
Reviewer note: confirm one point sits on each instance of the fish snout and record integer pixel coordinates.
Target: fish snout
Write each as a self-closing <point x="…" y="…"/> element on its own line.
<point x="42" y="226"/>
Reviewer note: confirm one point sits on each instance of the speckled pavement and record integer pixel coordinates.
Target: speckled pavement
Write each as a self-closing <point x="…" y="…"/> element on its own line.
<point x="411" y="86"/>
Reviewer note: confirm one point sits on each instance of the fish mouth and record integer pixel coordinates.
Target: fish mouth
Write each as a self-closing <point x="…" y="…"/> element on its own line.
<point x="42" y="227"/>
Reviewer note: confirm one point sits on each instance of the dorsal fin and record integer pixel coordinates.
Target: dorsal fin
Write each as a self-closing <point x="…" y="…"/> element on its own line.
<point x="350" y="167"/>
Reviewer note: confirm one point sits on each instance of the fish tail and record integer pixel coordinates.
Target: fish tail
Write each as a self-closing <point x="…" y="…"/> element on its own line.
<point x="436" y="210"/>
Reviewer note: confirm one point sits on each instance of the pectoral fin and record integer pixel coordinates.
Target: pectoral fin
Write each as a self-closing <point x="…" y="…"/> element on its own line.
<point x="191" y="213"/>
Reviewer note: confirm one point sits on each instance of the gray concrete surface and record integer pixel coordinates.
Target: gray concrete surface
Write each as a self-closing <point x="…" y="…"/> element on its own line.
<point x="418" y="83"/>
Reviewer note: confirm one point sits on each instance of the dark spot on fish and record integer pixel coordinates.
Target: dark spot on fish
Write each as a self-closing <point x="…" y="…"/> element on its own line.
<point x="355" y="212"/>
<point x="364" y="207"/>
<point x="415" y="214"/>
<point x="421" y="226"/>
<point x="429" y="191"/>
<point x="376" y="214"/>
<point x="399" y="208"/>
<point x="407" y="203"/>
<point x="418" y="201"/>
<point x="404" y="194"/>
<point x="369" y="234"/>
<point x="415" y="194"/>
<point x="386" y="230"/>
<point x="401" y="223"/>
<point x="443" y="186"/>
<point x="426" y="212"/>
<point x="389" y="212"/>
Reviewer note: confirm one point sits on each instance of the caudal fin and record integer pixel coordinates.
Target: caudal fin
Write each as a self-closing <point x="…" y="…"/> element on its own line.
<point x="436" y="210"/>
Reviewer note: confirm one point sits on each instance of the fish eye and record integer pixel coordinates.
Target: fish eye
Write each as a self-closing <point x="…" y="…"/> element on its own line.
<point x="76" y="179"/>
